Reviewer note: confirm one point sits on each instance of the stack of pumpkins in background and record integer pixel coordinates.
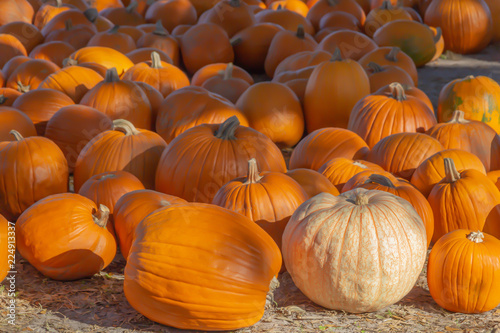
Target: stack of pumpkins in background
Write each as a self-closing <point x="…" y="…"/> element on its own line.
<point x="151" y="108"/>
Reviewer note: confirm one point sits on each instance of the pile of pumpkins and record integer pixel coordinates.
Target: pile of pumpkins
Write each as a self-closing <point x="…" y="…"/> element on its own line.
<point x="138" y="125"/>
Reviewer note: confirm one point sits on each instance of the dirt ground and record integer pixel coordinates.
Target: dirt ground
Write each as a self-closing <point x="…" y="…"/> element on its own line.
<point x="99" y="305"/>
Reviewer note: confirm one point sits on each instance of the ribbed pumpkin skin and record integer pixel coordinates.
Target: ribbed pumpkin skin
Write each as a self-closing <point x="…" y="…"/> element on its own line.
<point x="402" y="153"/>
<point x="462" y="204"/>
<point x="4" y="247"/>
<point x="478" y="97"/>
<point x="343" y="256"/>
<point x="375" y="117"/>
<point x="332" y="91"/>
<point x="113" y="150"/>
<point x="197" y="163"/>
<point x="59" y="237"/>
<point x="132" y="208"/>
<point x="322" y="145"/>
<point x="13" y="119"/>
<point x="105" y="56"/>
<point x="212" y="240"/>
<point x="466" y="24"/>
<point x="339" y="170"/>
<point x="463" y="275"/>
<point x="32" y="168"/>
<point x="431" y="171"/>
<point x="312" y="182"/>
<point x="403" y="189"/>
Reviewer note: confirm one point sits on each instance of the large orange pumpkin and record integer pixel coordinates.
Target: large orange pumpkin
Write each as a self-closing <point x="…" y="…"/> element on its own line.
<point x="463" y="268"/>
<point x="431" y="171"/>
<point x="191" y="106"/>
<point x="375" y="117"/>
<point x="466" y="25"/>
<point x="402" y="153"/>
<point x="132" y="208"/>
<point x="230" y="15"/>
<point x="322" y="7"/>
<point x="42" y="172"/>
<point x="322" y="145"/>
<point x="461" y="200"/>
<point x="11" y="47"/>
<point x="379" y="16"/>
<point x="286" y="19"/>
<point x="172" y="13"/>
<point x="380" y="76"/>
<point x="64" y="237"/>
<point x="123" y="148"/>
<point x="409" y="91"/>
<point x="338" y="248"/>
<point x="213" y="240"/>
<point x="494" y="7"/>
<point x="8" y="96"/>
<point x="159" y="38"/>
<point x="114" y="39"/>
<point x="53" y="51"/>
<point x="222" y="154"/>
<point x="16" y="10"/>
<point x="301" y="60"/>
<point x="478" y="97"/>
<point x="124" y="15"/>
<point x="26" y="33"/>
<point x="218" y="69"/>
<point x="312" y="182"/>
<point x="333" y="89"/>
<point x="13" y="119"/>
<point x="105" y="56"/>
<point x="352" y="44"/>
<point x="227" y="86"/>
<point x="30" y="74"/>
<point x="340" y="169"/>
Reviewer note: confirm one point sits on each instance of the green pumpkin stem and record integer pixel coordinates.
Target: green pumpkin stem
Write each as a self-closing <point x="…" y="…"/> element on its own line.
<point x="332" y="2"/>
<point x="392" y="55"/>
<point x="69" y="62"/>
<point x="337" y="55"/>
<point x="102" y="218"/>
<point x="301" y="32"/>
<point x="386" y="5"/>
<point x="3" y="99"/>
<point x="114" y="30"/>
<point x="235" y="3"/>
<point x="160" y="29"/>
<point x="133" y="6"/>
<point x="451" y="173"/>
<point x="16" y="135"/>
<point x="476" y="236"/>
<point x="155" y="60"/>
<point x="112" y="75"/>
<point x="22" y="88"/>
<point x="376" y="68"/>
<point x="125" y="126"/>
<point x="107" y="175"/>
<point x="253" y="172"/>
<point x="226" y="129"/>
<point x="458" y="117"/>
<point x="380" y="179"/>
<point x="91" y="14"/>
<point x="398" y="91"/>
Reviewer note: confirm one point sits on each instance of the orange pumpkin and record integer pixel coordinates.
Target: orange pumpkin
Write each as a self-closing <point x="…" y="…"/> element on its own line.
<point x="462" y="268"/>
<point x="77" y="35"/>
<point x="48" y="11"/>
<point x="160" y="39"/>
<point x="470" y="135"/>
<point x="352" y="44"/>
<point x="204" y="44"/>
<point x="122" y="148"/>
<point x="301" y="60"/>
<point x="26" y="33"/>
<point x="191" y="106"/>
<point x="144" y="54"/>
<point x="492" y="223"/>
<point x="286" y="19"/>
<point x="207" y="244"/>
<point x="162" y="76"/>
<point x="494" y="7"/>
<point x="333" y="89"/>
<point x="55" y="52"/>
<point x="44" y="171"/>
<point x="155" y="99"/>
<point x="322" y="145"/>
<point x="105" y="56"/>
<point x="40" y="105"/>
<point x="221" y="159"/>
<point x="466" y="25"/>
<point x="60" y="22"/>
<point x="312" y="182"/>
<point x="322" y="7"/>
<point x="431" y="171"/>
<point x="13" y="119"/>
<point x="64" y="237"/>
<point x="11" y="47"/>
<point x="132" y="208"/>
<point x="114" y="39"/>
<point x="380" y="76"/>
<point x="409" y="91"/>
<point x="227" y="86"/>
<point x="11" y="65"/>
<point x="72" y="127"/>
<point x="172" y="13"/>
<point x="439" y="40"/>
<point x="103" y="4"/>
<point x="16" y="10"/>
<point x="124" y="15"/>
<point x="478" y="97"/>
<point x="230" y="15"/>
<point x="218" y="69"/>
<point x="133" y="32"/>
<point x="296" y="6"/>
<point x="402" y="153"/>
<point x="120" y="99"/>
<point x="340" y="169"/>
<point x="30" y="74"/>
<point x="397" y="186"/>
<point x="462" y="200"/>
<point x="8" y="96"/>
<point x="339" y="20"/>
<point x="280" y="117"/>
<point x="382" y="15"/>
<point x="375" y="117"/>
<point x="101" y="23"/>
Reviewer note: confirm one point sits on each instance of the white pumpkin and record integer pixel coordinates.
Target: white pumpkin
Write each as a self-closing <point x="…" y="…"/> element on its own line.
<point x="358" y="252"/>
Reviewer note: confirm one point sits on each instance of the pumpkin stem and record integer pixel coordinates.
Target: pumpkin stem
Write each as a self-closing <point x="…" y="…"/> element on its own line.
<point x="102" y="218"/>
<point x="228" y="73"/>
<point x="253" y="172"/>
<point x="236" y="41"/>
<point x="91" y="14"/>
<point x="279" y="7"/>
<point x="16" y="135"/>
<point x="337" y="55"/>
<point x="160" y="29"/>
<point x="359" y="164"/>
<point x="125" y="126"/>
<point x="234" y="3"/>
<point x="58" y="3"/>
<point x="361" y="199"/>
<point x="439" y="33"/>
<point x="397" y="91"/>
<point x="376" y="68"/>
<point x="111" y="75"/>
<point x="469" y="77"/>
<point x="155" y="60"/>
<point x="22" y="88"/>
<point x="392" y="55"/>
<point x="68" y="25"/>
<point x="476" y="236"/>
<point x="114" y="30"/>
<point x="227" y="128"/>
<point x="452" y="175"/>
<point x="133" y="5"/>
<point x="69" y="62"/>
<point x="332" y="2"/>
<point x="165" y="203"/>
<point x="458" y="117"/>
<point x="3" y="99"/>
<point x="380" y="179"/>
<point x="300" y="32"/>
<point x="106" y="176"/>
<point x="386" y="5"/>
